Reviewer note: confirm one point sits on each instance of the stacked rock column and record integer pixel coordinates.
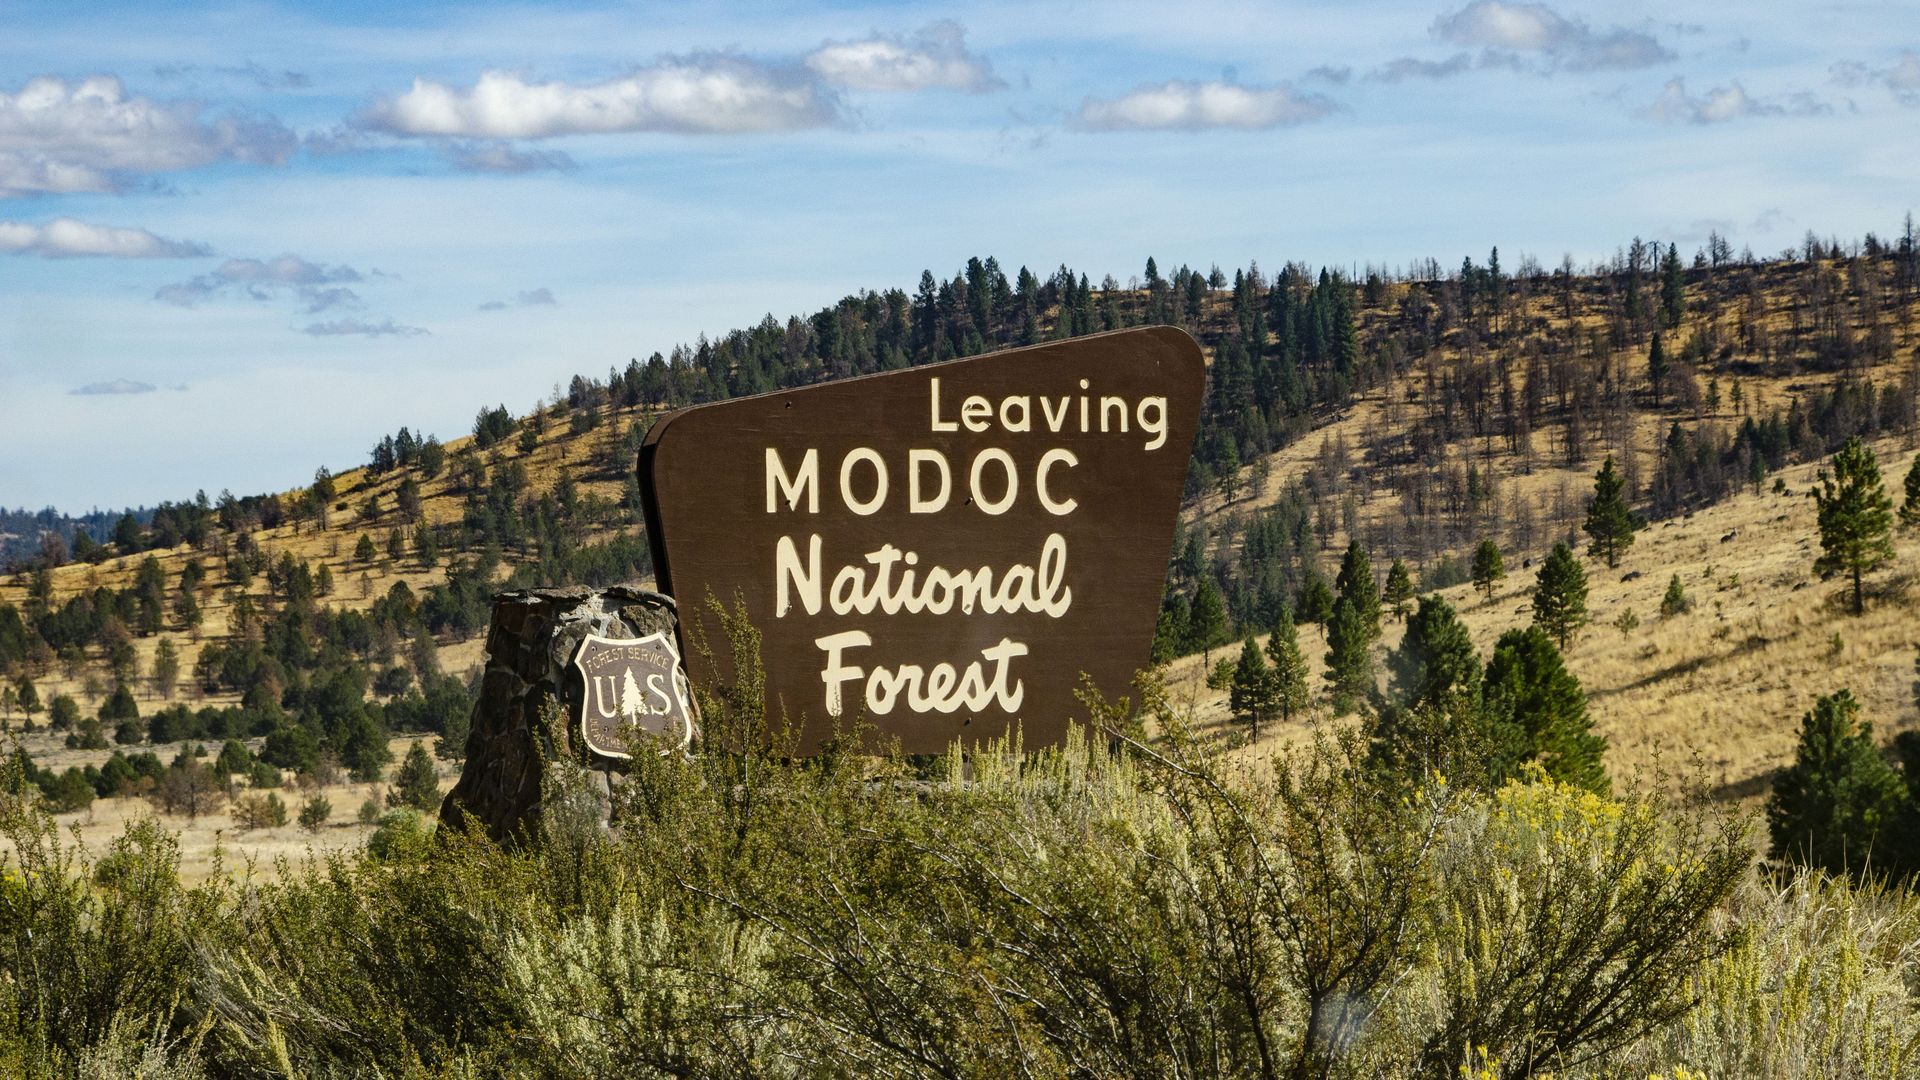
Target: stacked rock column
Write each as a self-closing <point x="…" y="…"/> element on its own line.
<point x="523" y="723"/>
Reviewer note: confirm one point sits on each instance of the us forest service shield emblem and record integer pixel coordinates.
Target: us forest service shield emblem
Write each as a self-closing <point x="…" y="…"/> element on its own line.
<point x="633" y="684"/>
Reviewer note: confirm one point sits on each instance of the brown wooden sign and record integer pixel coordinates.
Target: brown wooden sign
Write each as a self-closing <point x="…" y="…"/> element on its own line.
<point x="942" y="550"/>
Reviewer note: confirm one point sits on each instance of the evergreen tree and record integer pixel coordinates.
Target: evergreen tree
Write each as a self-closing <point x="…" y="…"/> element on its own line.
<point x="1530" y="692"/>
<point x="1356" y="586"/>
<point x="1290" y="691"/>
<point x="166" y="668"/>
<point x="1910" y="508"/>
<point x="1675" y="601"/>
<point x="26" y="697"/>
<point x="1349" y="663"/>
<point x="1436" y="660"/>
<point x="1228" y="464"/>
<point x="362" y="745"/>
<point x="415" y="784"/>
<point x="315" y="812"/>
<point x="1673" y="285"/>
<point x="1207" y="622"/>
<point x="1610" y="522"/>
<point x="632" y="708"/>
<point x="119" y="706"/>
<point x="1171" y="633"/>
<point x="1316" y="600"/>
<point x="1252" y="693"/>
<point x="1488" y="567"/>
<point x="1399" y="589"/>
<point x="1835" y="807"/>
<point x="454" y="729"/>
<point x="64" y="713"/>
<point x="1560" y="595"/>
<point x="127" y="535"/>
<point x="1856" y="518"/>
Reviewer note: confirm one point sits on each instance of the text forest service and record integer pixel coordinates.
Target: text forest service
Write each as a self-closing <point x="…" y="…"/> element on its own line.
<point x="942" y="550"/>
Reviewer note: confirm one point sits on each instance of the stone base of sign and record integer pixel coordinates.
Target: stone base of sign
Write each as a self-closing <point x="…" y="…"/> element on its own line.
<point x="524" y="742"/>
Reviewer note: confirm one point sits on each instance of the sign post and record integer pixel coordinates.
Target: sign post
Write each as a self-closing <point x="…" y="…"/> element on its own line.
<point x="942" y="550"/>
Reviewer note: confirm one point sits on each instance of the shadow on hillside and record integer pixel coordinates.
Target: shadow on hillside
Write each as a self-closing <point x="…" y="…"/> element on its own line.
<point x="1681" y="667"/>
<point x="1756" y="786"/>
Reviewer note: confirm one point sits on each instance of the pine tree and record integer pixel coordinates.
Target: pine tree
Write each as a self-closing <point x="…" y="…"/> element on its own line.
<point x="361" y="741"/>
<point x="1399" y="589"/>
<point x="1436" y="660"/>
<point x="1488" y="567"/>
<point x="1356" y="586"/>
<point x="1530" y="692"/>
<point x="1675" y="601"/>
<point x="166" y="668"/>
<point x="632" y="707"/>
<point x="1673" y="288"/>
<point x="1171" y="632"/>
<point x="1316" y="600"/>
<point x="119" y="706"/>
<point x="1290" y="691"/>
<point x="1560" y="595"/>
<point x="1657" y="368"/>
<point x="1252" y="691"/>
<point x="315" y="812"/>
<point x="1207" y="620"/>
<point x="1349" y="663"/>
<point x="415" y="784"/>
<point x="1910" y="509"/>
<point x="1856" y="518"/>
<point x="1610" y="522"/>
<point x="1228" y="463"/>
<point x="1836" y="805"/>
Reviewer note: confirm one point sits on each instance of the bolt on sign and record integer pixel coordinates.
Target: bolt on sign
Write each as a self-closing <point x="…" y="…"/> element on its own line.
<point x="943" y="550"/>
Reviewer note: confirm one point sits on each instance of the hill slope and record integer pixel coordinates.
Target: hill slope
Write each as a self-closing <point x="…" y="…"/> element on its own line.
<point x="1416" y="416"/>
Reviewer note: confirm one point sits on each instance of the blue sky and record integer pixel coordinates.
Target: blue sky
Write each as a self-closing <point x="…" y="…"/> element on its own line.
<point x="240" y="241"/>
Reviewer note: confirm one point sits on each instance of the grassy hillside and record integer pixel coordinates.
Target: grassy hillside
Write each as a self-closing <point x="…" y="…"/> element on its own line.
<point x="1417" y="416"/>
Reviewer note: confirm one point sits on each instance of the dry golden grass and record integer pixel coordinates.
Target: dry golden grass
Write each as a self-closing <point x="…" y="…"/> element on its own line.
<point x="1714" y="694"/>
<point x="215" y="842"/>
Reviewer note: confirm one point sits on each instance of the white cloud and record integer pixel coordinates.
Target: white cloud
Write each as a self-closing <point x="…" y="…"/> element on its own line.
<point x="64" y="238"/>
<point x="60" y="137"/>
<point x="697" y="95"/>
<point x="1539" y="30"/>
<point x="117" y="386"/>
<point x="500" y="157"/>
<point x="542" y="297"/>
<point x="1902" y="79"/>
<point x="1197" y="106"/>
<point x="1722" y="103"/>
<point x="1408" y="67"/>
<point x="352" y="326"/>
<point x="934" y="58"/>
<point x="319" y="286"/>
